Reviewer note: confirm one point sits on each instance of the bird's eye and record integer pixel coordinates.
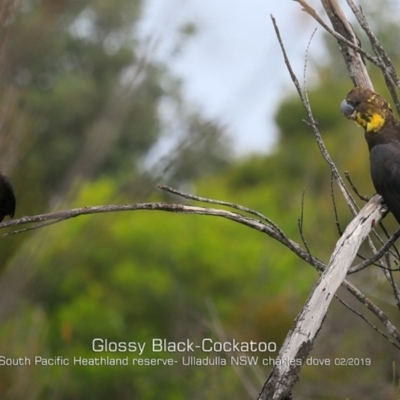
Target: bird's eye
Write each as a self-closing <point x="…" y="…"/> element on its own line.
<point x="357" y="103"/>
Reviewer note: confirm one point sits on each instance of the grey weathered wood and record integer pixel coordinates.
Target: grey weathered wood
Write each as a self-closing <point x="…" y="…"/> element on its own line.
<point x="300" y="339"/>
<point x="354" y="62"/>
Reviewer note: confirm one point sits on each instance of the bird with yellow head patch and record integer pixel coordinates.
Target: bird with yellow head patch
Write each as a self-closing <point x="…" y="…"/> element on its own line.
<point x="382" y="133"/>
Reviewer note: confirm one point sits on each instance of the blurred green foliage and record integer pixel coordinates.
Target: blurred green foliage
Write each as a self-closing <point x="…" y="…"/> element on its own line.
<point x="142" y="275"/>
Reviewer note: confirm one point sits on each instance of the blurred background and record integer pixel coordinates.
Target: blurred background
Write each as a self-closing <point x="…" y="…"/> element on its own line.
<point x="100" y="101"/>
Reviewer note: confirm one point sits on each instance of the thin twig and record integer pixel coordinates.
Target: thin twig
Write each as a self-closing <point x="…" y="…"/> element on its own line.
<point x="393" y="283"/>
<point x="270" y="228"/>
<point x="353" y="310"/>
<point x="377" y="255"/>
<point x="337" y="223"/>
<point x="300" y="222"/>
<point x="306" y="62"/>
<point x="309" y="10"/>
<point x="365" y="301"/>
<point x="395" y="252"/>
<point x="223" y="203"/>
<point x="350" y="201"/>
<point x="31" y="228"/>
<point x="355" y="190"/>
<point x="366" y="199"/>
<point x="286" y="59"/>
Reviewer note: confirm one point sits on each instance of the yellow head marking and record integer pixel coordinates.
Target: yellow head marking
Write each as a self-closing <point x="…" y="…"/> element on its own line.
<point x="370" y="122"/>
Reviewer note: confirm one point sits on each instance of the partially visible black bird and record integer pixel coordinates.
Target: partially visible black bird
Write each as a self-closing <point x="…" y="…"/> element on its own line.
<point x="7" y="197"/>
<point x="382" y="133"/>
<point x="385" y="173"/>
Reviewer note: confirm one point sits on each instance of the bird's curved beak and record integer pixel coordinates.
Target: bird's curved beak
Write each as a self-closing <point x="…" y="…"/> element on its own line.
<point x="347" y="110"/>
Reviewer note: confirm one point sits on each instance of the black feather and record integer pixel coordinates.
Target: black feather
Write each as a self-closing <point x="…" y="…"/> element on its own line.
<point x="385" y="173"/>
<point x="7" y="198"/>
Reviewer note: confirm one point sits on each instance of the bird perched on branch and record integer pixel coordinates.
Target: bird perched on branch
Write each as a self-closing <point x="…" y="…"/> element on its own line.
<point x="382" y="133"/>
<point x="7" y="197"/>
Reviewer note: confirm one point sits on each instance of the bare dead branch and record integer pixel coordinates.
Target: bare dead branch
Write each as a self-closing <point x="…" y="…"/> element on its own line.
<point x="337" y="223"/>
<point x="269" y="228"/>
<point x="352" y="57"/>
<point x="347" y="40"/>
<point x="379" y="254"/>
<point x="304" y="254"/>
<point x="385" y="64"/>
<point x="366" y="199"/>
<point x="360" y="77"/>
<point x="350" y="46"/>
<point x="223" y="203"/>
<point x="313" y="124"/>
<point x="299" y="342"/>
<point x="395" y="252"/>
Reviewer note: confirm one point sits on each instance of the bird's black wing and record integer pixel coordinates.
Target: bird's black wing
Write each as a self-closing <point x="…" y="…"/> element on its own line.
<point x="7" y="198"/>
<point x="385" y="173"/>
